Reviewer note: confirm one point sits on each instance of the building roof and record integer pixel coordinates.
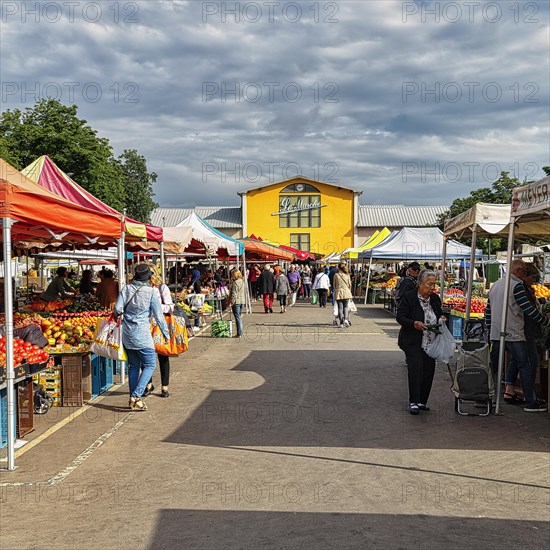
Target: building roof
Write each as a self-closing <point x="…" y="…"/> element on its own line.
<point x="220" y="217"/>
<point x="371" y="215"/>
<point x="398" y="215"/>
<point x="300" y="179"/>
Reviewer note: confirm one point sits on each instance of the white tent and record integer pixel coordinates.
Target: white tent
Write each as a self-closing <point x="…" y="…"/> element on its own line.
<point x="416" y="243"/>
<point x="194" y="227"/>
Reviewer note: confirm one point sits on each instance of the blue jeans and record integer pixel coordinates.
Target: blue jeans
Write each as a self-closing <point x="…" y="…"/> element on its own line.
<point x="237" y="309"/>
<point x="140" y="359"/>
<point x="522" y="363"/>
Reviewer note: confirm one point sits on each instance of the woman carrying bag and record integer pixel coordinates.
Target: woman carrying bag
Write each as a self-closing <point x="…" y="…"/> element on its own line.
<point x="163" y="293"/>
<point x="342" y="294"/>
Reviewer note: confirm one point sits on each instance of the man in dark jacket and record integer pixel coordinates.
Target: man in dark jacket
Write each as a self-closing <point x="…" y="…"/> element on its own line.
<point x="266" y="285"/>
<point x="408" y="282"/>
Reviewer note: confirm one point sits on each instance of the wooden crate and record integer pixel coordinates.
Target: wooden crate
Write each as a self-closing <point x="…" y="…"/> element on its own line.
<point x="25" y="408"/>
<point x="72" y="380"/>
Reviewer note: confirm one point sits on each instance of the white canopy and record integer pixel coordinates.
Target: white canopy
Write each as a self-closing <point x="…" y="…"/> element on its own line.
<point x="194" y="227"/>
<point x="417" y="243"/>
<point x="490" y="218"/>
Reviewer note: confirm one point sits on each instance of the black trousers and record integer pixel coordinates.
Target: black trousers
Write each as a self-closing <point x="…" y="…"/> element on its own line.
<point x="322" y="297"/>
<point x="421" y="369"/>
<point x="164" y="364"/>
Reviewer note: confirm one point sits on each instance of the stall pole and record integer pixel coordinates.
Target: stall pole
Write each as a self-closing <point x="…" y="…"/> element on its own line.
<point x="470" y="274"/>
<point x="245" y="275"/>
<point x="8" y="315"/>
<point x="162" y="268"/>
<point x="443" y="269"/>
<point x="505" y="297"/>
<point x="122" y="282"/>
<point x="368" y="277"/>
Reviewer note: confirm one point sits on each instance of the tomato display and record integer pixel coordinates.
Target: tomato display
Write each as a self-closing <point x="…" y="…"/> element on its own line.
<point x="22" y="352"/>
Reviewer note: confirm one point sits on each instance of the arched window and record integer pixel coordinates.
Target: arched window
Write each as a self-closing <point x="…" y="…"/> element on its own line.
<point x="300" y="188"/>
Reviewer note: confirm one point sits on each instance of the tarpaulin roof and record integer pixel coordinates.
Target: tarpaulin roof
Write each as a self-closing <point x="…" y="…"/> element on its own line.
<point x="376" y="238"/>
<point x="210" y="237"/>
<point x="300" y="254"/>
<point x="531" y="208"/>
<point x="47" y="174"/>
<point x="266" y="251"/>
<point x="44" y="216"/>
<point x="417" y="243"/>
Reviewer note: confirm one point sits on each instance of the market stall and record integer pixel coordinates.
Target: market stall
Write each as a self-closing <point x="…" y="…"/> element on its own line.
<point x="414" y="243"/>
<point x="530" y="216"/>
<point x="26" y="210"/>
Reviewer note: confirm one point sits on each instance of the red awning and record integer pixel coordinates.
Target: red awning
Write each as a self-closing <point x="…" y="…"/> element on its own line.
<point x="300" y="254"/>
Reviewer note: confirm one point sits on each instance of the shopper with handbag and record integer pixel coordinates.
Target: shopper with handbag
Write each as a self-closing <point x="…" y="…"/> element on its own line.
<point x="342" y="294"/>
<point x="163" y="293"/>
<point x="137" y="303"/>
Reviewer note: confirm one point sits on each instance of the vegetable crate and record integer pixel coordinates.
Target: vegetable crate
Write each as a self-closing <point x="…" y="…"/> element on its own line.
<point x="222" y="329"/>
<point x="72" y="380"/>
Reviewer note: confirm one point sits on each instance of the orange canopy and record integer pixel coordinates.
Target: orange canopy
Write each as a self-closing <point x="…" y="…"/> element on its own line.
<point x="43" y="216"/>
<point x="265" y="251"/>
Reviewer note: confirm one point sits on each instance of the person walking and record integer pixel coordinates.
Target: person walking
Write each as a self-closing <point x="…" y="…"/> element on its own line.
<point x="282" y="288"/>
<point x="306" y="282"/>
<point x="136" y="303"/>
<point x="237" y="299"/>
<point x="322" y="284"/>
<point x="294" y="280"/>
<point x="419" y="308"/>
<point x="266" y="284"/>
<point x="342" y="294"/>
<point x="163" y="294"/>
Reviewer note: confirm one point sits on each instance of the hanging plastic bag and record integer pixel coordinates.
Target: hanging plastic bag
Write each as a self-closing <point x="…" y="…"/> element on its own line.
<point x="221" y="292"/>
<point x="314" y="297"/>
<point x="108" y="340"/>
<point x="443" y="346"/>
<point x="335" y="309"/>
<point x="351" y="306"/>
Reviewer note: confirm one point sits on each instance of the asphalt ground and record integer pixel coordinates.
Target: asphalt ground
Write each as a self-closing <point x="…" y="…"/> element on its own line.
<point x="295" y="436"/>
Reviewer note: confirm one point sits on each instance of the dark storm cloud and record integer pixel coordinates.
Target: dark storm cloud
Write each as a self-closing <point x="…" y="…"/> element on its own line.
<point x="380" y="95"/>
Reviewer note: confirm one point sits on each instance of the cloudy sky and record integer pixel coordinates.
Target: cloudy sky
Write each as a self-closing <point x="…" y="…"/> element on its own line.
<point x="411" y="102"/>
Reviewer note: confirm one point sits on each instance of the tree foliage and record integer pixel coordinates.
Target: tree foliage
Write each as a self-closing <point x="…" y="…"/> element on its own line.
<point x="53" y="129"/>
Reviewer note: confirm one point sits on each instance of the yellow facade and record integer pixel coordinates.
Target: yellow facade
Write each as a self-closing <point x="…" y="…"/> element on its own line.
<point x="302" y="213"/>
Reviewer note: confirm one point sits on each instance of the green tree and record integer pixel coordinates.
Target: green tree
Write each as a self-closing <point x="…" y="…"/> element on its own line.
<point x="138" y="185"/>
<point x="500" y="192"/>
<point x="51" y="128"/>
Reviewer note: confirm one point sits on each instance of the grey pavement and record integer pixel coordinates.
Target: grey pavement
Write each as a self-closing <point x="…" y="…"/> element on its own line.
<point x="295" y="436"/>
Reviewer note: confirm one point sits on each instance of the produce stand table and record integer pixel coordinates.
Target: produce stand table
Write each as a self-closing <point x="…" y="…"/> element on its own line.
<point x="389" y="302"/>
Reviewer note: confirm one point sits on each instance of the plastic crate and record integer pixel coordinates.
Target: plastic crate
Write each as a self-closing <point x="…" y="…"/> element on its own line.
<point x="4" y="417"/>
<point x="456" y="327"/>
<point x="222" y="329"/>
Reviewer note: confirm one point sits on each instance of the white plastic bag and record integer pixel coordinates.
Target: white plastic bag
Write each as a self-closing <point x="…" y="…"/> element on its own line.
<point x="108" y="340"/>
<point x="335" y="309"/>
<point x="351" y="306"/>
<point x="443" y="347"/>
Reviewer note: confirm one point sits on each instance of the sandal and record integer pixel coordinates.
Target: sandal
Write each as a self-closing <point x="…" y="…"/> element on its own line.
<point x="136" y="404"/>
<point x="512" y="399"/>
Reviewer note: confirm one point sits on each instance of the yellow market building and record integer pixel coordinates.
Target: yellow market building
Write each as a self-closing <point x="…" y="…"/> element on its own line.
<point x="302" y="213"/>
<point x="306" y="214"/>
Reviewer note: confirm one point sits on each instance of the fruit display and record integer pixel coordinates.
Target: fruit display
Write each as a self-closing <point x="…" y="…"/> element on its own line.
<point x="42" y="305"/>
<point x="390" y="283"/>
<point x="23" y="352"/>
<point x="206" y="309"/>
<point x="477" y="307"/>
<point x="541" y="291"/>
<point x="71" y="332"/>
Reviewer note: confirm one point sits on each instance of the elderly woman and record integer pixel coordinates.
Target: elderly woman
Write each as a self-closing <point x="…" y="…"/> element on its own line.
<point x="342" y="294"/>
<point x="237" y="298"/>
<point x="282" y="287"/>
<point x="418" y="309"/>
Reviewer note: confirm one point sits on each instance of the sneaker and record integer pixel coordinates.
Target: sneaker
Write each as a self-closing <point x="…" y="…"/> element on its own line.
<point x="413" y="408"/>
<point x="347" y="323"/>
<point x="537" y="406"/>
<point x="423" y="407"/>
